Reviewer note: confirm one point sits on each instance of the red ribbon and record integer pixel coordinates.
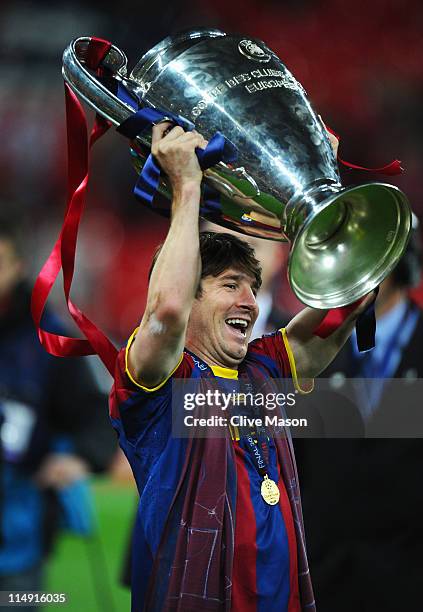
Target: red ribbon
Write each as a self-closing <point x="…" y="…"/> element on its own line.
<point x="334" y="319"/>
<point x="62" y="255"/>
<point x="391" y="169"/>
<point x="63" y="252"/>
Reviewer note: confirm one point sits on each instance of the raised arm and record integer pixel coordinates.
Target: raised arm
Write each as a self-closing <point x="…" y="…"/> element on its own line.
<point x="159" y="343"/>
<point x="313" y="354"/>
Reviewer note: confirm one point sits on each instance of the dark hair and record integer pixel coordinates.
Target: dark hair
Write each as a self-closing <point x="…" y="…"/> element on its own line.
<point x="220" y="251"/>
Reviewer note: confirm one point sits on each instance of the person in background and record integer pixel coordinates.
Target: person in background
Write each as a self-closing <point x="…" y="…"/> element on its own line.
<point x="54" y="429"/>
<point x="363" y="498"/>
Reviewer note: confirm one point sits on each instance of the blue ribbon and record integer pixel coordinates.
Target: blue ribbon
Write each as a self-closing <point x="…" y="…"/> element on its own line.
<point x="365" y="327"/>
<point x="144" y="118"/>
<point x="148" y="180"/>
<point x="218" y="149"/>
<point x="124" y="95"/>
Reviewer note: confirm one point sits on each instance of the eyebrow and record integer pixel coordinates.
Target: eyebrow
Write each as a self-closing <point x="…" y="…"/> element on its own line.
<point x="239" y="277"/>
<point x="233" y="276"/>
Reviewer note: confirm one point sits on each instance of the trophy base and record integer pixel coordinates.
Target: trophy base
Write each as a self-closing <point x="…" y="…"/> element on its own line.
<point x="348" y="244"/>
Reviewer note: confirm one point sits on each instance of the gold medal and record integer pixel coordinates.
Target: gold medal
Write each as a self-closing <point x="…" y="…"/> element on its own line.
<point x="269" y="491"/>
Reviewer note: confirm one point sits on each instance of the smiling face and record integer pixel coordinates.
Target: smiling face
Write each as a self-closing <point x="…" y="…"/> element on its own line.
<point x="222" y="318"/>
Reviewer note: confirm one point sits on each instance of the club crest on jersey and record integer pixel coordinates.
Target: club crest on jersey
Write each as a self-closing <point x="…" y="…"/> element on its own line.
<point x="200" y="366"/>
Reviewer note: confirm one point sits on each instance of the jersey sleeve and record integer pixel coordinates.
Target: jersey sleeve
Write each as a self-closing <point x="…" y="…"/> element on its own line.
<point x="126" y="388"/>
<point x="276" y="347"/>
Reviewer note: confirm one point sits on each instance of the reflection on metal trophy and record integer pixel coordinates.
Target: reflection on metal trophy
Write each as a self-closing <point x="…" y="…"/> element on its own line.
<point x="286" y="185"/>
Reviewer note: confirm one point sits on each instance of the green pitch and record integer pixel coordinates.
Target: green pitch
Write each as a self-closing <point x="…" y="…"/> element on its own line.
<point x="88" y="570"/>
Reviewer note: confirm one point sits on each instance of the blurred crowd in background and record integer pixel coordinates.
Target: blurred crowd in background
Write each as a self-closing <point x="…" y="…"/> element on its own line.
<point x="360" y="64"/>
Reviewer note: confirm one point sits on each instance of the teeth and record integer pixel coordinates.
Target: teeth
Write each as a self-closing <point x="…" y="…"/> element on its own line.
<point x="237" y="322"/>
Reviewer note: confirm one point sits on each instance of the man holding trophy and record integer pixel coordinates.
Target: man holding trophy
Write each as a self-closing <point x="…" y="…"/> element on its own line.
<point x="219" y="525"/>
<point x="200" y="313"/>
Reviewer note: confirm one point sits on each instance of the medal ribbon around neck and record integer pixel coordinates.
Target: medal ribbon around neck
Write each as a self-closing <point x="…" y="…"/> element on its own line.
<point x="269" y="489"/>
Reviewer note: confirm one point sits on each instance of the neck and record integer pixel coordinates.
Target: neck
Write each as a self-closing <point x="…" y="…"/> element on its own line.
<point x="205" y="356"/>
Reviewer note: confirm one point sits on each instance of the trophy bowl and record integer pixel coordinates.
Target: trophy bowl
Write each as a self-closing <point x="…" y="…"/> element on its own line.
<point x="285" y="185"/>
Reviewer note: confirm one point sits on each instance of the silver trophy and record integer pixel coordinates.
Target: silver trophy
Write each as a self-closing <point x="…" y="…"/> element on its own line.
<point x="286" y="184"/>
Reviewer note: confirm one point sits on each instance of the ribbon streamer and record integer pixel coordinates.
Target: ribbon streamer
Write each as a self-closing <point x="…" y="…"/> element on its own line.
<point x="218" y="149"/>
<point x="391" y="169"/>
<point x="365" y="325"/>
<point x="62" y="255"/>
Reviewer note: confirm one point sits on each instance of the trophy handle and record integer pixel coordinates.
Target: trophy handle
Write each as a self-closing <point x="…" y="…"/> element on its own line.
<point x="88" y="87"/>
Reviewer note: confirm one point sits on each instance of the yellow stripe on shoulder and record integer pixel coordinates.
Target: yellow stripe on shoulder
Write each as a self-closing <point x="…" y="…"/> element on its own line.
<point x="224" y="372"/>
<point x="292" y="364"/>
<point x="132" y="379"/>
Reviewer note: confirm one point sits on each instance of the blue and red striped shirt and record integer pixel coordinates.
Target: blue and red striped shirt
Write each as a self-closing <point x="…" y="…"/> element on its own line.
<point x="265" y="570"/>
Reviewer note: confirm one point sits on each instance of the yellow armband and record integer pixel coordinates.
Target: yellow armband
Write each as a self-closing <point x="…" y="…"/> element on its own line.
<point x="292" y="364"/>
<point x="132" y="379"/>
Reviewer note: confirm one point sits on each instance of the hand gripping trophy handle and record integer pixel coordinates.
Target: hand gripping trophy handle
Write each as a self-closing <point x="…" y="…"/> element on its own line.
<point x="108" y="105"/>
<point x="344" y="241"/>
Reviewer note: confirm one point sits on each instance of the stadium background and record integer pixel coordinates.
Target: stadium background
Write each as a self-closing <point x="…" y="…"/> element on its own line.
<point x="361" y="64"/>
